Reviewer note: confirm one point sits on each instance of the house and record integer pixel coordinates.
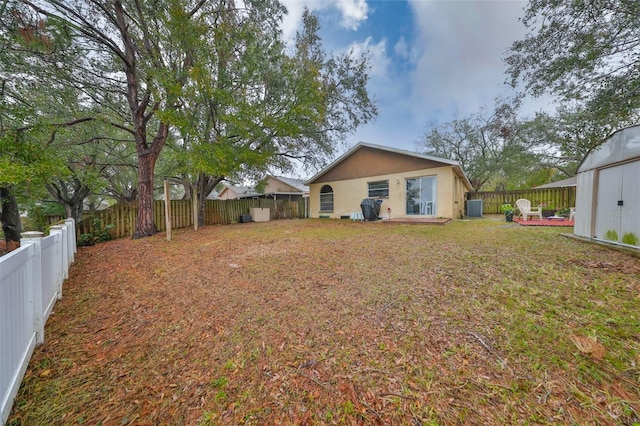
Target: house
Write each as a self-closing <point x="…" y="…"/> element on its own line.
<point x="230" y="192"/>
<point x="408" y="183"/>
<point x="607" y="199"/>
<point x="275" y="187"/>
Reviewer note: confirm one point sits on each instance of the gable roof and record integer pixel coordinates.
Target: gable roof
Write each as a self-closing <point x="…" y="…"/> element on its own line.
<point x="295" y="183"/>
<point x="292" y="186"/>
<point x="238" y="190"/>
<point x="360" y="145"/>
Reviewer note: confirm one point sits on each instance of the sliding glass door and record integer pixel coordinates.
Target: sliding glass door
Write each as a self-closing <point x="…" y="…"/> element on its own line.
<point x="421" y="196"/>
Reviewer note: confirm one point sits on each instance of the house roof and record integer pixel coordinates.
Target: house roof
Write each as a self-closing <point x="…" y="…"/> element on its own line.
<point x="296" y="183"/>
<point x="572" y="181"/>
<point x="359" y="145"/>
<point x="239" y="190"/>
<point x="249" y="192"/>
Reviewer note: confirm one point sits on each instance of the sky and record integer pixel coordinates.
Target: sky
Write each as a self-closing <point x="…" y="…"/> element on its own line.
<point x="432" y="61"/>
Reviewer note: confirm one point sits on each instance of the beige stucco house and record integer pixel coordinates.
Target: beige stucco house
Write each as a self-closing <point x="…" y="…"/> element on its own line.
<point x="408" y="183"/>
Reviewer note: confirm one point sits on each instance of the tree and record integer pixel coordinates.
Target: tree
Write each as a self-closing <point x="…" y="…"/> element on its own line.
<point x="569" y="134"/>
<point x="26" y="159"/>
<point x="585" y="51"/>
<point x="262" y="108"/>
<point x="493" y="150"/>
<point x="131" y="53"/>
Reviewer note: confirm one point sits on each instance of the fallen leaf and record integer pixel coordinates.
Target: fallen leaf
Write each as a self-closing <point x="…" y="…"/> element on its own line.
<point x="589" y="346"/>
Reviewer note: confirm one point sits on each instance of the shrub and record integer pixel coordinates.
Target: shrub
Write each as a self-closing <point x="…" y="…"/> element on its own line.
<point x="99" y="234"/>
<point x="630" y="238"/>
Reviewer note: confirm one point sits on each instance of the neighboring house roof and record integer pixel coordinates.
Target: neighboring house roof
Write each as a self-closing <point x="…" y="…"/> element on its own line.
<point x="236" y="191"/>
<point x="287" y="186"/>
<point x="559" y="184"/>
<point x="295" y="183"/>
<point x="456" y="166"/>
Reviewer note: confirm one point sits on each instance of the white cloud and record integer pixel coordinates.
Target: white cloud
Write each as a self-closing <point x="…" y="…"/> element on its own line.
<point x="460" y="67"/>
<point x="352" y="13"/>
<point x="377" y="53"/>
<point x="402" y="48"/>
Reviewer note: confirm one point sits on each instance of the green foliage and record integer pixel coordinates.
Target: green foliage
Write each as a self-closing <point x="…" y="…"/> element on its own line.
<point x="547" y="205"/>
<point x="99" y="234"/>
<point x="630" y="238"/>
<point x="506" y="208"/>
<point x="611" y="235"/>
<point x="585" y="52"/>
<point x="37" y="213"/>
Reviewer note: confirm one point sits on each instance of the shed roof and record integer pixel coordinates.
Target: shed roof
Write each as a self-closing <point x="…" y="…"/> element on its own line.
<point x="620" y="146"/>
<point x="360" y="145"/>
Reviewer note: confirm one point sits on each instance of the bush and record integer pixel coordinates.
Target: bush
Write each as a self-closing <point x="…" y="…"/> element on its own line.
<point x="99" y="234"/>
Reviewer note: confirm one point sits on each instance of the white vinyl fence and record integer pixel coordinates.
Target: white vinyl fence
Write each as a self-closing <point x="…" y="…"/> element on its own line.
<point x="30" y="284"/>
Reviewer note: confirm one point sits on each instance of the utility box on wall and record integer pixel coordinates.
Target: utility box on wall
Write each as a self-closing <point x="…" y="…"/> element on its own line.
<point x="260" y="214"/>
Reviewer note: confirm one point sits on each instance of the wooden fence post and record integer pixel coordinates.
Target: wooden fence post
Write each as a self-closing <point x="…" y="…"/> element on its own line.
<point x="194" y="202"/>
<point x="167" y="209"/>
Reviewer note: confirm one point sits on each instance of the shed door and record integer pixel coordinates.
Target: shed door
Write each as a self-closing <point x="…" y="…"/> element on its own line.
<point x="615" y="222"/>
<point x="630" y="215"/>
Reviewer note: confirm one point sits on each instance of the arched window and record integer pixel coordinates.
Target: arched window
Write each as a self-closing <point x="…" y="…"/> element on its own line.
<point x="326" y="199"/>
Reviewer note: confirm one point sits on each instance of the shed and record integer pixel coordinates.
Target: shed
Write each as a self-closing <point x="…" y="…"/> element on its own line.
<point x="607" y="199"/>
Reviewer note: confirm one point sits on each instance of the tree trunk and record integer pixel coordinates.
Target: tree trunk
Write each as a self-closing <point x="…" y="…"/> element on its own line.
<point x="205" y="185"/>
<point x="10" y="217"/>
<point x="145" y="225"/>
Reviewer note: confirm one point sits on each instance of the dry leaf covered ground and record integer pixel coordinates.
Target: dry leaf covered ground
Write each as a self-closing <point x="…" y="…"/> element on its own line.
<point x="334" y="322"/>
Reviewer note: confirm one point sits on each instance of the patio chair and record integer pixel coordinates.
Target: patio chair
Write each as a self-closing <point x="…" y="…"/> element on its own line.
<point x="526" y="210"/>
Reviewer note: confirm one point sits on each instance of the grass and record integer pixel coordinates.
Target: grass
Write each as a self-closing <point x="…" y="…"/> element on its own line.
<point x="335" y="322"/>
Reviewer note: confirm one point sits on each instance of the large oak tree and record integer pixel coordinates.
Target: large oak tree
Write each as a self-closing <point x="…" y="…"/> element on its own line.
<point x="130" y="58"/>
<point x="264" y="106"/>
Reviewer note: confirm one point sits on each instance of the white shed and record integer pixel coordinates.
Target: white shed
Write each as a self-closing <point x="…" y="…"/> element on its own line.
<point x="608" y="197"/>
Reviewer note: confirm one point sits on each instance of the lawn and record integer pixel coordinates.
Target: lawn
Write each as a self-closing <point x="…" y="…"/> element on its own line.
<point x="335" y="322"/>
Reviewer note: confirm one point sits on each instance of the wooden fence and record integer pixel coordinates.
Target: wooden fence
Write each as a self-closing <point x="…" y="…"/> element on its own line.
<point x="492" y="201"/>
<point x="216" y="212"/>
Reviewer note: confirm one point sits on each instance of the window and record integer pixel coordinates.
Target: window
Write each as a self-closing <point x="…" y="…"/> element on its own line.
<point x="326" y="199"/>
<point x="379" y="189"/>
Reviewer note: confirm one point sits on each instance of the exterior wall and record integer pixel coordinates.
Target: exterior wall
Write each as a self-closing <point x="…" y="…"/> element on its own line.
<point x="459" y="189"/>
<point x="274" y="185"/>
<point x="585" y="204"/>
<point x="227" y="194"/>
<point x="348" y="194"/>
